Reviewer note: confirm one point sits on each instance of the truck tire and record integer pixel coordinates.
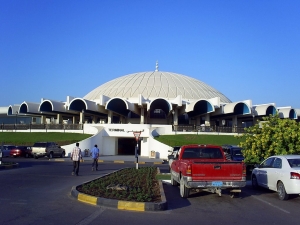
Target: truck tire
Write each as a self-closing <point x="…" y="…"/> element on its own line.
<point x="281" y="191"/>
<point x="184" y="191"/>
<point x="173" y="182"/>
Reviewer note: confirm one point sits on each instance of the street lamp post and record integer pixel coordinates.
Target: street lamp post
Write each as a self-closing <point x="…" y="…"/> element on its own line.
<point x="175" y="126"/>
<point x="253" y="115"/>
<point x="16" y="121"/>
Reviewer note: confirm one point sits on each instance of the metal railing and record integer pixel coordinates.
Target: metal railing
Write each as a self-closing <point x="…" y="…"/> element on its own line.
<point x="199" y="128"/>
<point x="41" y="127"/>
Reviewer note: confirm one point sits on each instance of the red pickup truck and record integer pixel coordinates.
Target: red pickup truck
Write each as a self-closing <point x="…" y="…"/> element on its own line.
<point x="205" y="167"/>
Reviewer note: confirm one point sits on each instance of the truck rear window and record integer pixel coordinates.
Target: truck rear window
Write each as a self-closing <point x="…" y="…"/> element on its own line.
<point x="202" y="153"/>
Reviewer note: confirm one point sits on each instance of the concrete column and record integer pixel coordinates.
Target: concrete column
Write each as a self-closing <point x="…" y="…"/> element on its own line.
<point x="94" y="119"/>
<point x="146" y="117"/>
<point x="207" y="119"/>
<point x="234" y="124"/>
<point x="109" y="117"/>
<point x="59" y="119"/>
<point x="198" y="120"/>
<point x="142" y="116"/>
<point x="81" y="121"/>
<point x="43" y="119"/>
<point x="175" y="117"/>
<point x="74" y="119"/>
<point x="234" y="121"/>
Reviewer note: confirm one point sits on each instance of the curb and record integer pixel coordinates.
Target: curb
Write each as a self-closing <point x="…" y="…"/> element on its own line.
<point x="3" y="167"/>
<point x="120" y="204"/>
<point x="110" y="161"/>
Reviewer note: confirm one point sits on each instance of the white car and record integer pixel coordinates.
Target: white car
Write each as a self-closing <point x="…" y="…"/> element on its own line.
<point x="173" y="154"/>
<point x="279" y="173"/>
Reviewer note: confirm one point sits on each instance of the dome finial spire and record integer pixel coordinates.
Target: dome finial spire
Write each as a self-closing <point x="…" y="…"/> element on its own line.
<point x="156" y="66"/>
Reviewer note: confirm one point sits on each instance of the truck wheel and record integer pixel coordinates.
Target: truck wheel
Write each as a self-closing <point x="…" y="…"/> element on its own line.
<point x="184" y="191"/>
<point x="173" y="182"/>
<point x="281" y="191"/>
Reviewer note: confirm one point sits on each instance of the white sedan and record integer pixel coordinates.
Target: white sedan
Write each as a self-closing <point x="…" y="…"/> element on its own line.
<point x="279" y="173"/>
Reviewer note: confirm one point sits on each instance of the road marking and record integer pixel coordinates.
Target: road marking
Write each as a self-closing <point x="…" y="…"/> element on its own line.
<point x="136" y="206"/>
<point x="18" y="203"/>
<point x="270" y="204"/>
<point x="91" y="217"/>
<point x="87" y="198"/>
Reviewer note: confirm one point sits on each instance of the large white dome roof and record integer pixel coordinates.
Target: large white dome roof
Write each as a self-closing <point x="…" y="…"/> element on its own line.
<point x="156" y="84"/>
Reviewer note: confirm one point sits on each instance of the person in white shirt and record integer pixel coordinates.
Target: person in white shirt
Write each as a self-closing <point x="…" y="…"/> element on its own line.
<point x="76" y="156"/>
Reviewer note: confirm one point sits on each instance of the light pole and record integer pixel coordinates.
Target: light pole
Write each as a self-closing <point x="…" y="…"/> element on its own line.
<point x="16" y="117"/>
<point x="253" y="115"/>
<point x="16" y="120"/>
<point x="173" y="112"/>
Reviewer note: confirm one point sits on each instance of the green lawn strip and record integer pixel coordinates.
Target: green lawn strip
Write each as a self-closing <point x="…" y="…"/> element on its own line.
<point x="163" y="177"/>
<point x="28" y="139"/>
<point x="183" y="139"/>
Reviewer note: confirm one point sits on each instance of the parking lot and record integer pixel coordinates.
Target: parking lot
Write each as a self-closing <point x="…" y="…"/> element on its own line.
<point x="38" y="192"/>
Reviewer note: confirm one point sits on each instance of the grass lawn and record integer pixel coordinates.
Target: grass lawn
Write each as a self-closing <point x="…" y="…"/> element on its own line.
<point x="28" y="139"/>
<point x="182" y="139"/>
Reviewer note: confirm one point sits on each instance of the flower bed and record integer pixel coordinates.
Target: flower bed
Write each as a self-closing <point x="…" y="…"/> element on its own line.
<point x="129" y="184"/>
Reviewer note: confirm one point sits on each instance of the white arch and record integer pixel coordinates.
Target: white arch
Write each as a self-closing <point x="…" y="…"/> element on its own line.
<point x="229" y="108"/>
<point x="191" y="106"/>
<point x="55" y="105"/>
<point x="284" y="112"/>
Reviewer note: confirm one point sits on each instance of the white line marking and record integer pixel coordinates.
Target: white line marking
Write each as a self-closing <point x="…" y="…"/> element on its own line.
<point x="270" y="204"/>
<point x="91" y="217"/>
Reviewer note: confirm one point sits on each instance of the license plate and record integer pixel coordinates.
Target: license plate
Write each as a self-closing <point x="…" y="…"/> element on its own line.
<point x="217" y="183"/>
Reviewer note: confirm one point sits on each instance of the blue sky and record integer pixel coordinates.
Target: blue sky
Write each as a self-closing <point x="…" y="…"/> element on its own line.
<point x="244" y="49"/>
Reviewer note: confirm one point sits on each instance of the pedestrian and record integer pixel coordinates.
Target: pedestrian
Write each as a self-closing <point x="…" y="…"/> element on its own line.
<point x="76" y="156"/>
<point x="95" y="155"/>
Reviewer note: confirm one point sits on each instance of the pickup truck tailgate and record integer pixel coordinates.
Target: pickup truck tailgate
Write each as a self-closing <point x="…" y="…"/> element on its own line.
<point x="229" y="170"/>
<point x="38" y="150"/>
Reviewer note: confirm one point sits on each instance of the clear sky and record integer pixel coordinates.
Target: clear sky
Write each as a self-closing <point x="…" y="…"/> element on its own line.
<point x="244" y="49"/>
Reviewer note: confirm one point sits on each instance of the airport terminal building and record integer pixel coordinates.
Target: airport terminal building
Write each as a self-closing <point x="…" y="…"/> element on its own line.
<point x="152" y="103"/>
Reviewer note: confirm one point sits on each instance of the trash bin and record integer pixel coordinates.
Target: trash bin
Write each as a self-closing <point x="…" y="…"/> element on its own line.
<point x="152" y="154"/>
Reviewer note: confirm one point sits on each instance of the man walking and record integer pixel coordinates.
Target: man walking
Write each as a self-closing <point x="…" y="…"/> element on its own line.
<point x="95" y="155"/>
<point x="76" y="156"/>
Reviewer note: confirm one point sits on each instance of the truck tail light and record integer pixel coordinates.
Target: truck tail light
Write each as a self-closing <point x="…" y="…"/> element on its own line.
<point x="189" y="170"/>
<point x="244" y="171"/>
<point x="295" y="175"/>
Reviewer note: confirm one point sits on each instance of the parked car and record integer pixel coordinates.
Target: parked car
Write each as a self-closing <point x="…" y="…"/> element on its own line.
<point x="49" y="149"/>
<point x="279" y="173"/>
<point x="233" y="152"/>
<point x="21" y="151"/>
<point x="6" y="150"/>
<point x="172" y="154"/>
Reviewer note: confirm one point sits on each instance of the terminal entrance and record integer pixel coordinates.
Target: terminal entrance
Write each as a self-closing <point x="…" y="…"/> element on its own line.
<point x="126" y="146"/>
